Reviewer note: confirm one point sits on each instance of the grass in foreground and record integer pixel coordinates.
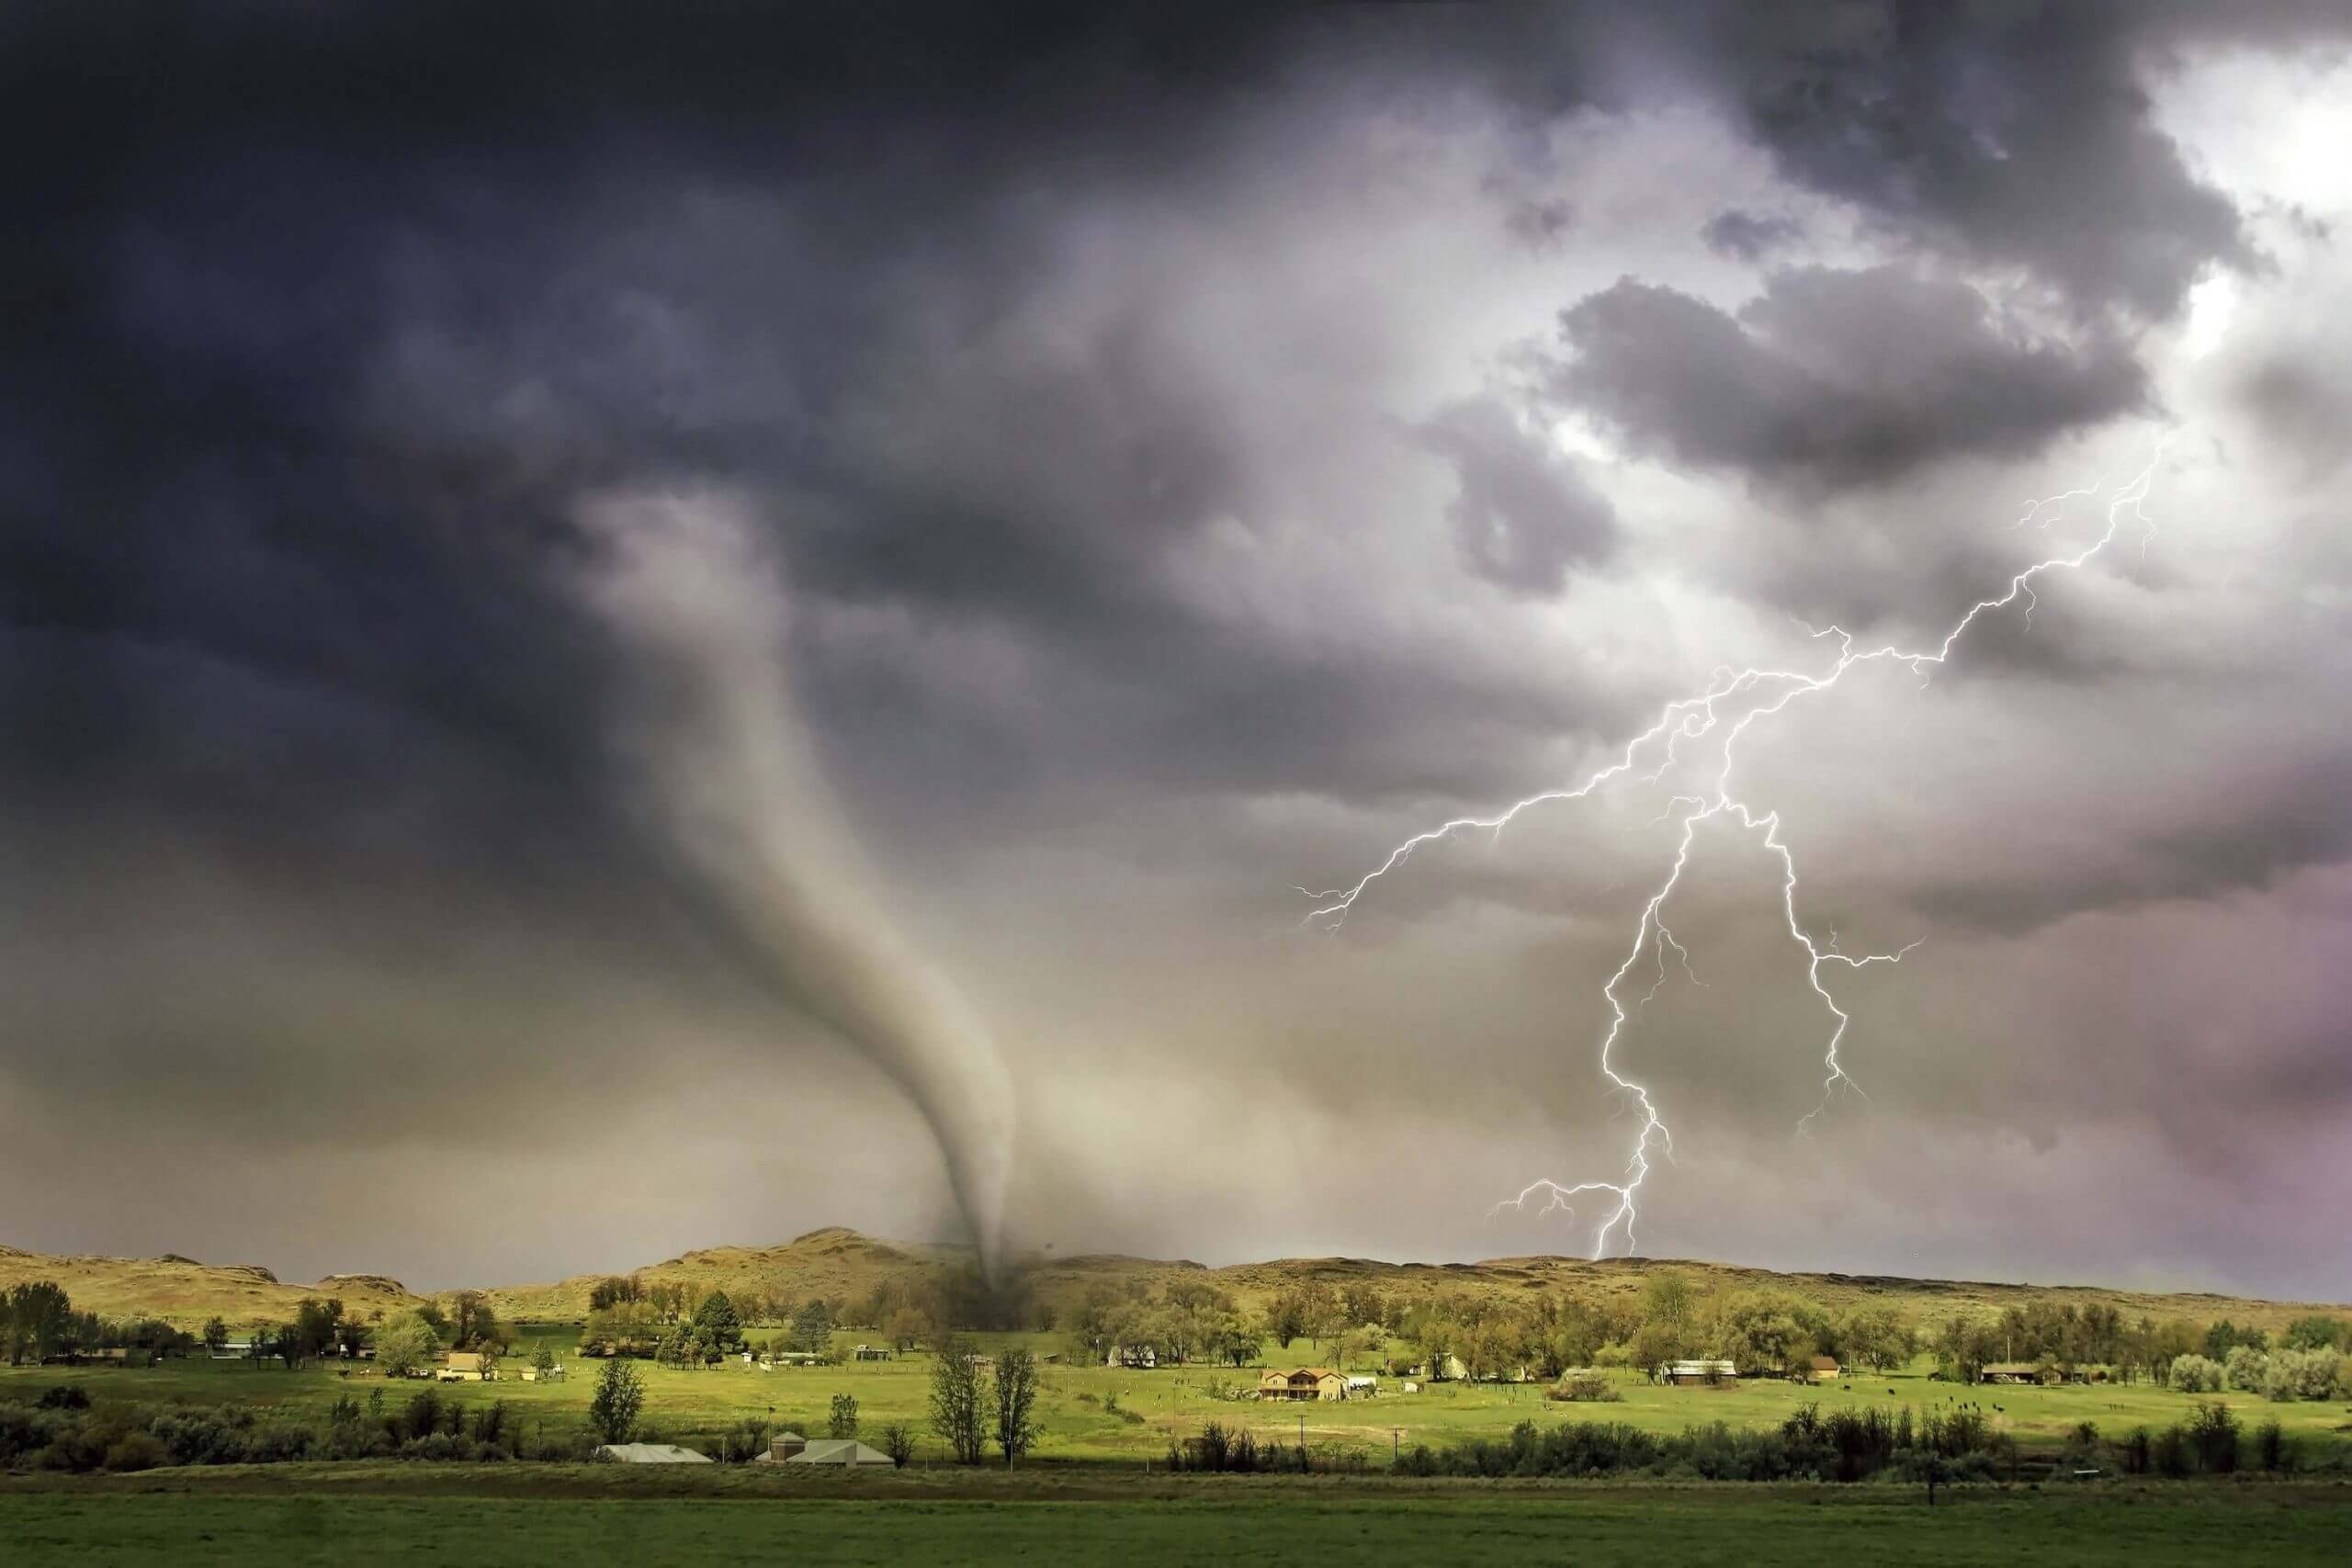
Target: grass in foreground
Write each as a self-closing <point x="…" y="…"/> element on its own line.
<point x="592" y="1519"/>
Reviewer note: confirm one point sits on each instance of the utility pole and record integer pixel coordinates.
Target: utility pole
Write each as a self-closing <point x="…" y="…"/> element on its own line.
<point x="1396" y="1445"/>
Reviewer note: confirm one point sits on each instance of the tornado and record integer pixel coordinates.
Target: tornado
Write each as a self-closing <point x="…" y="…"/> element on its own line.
<point x="729" y="777"/>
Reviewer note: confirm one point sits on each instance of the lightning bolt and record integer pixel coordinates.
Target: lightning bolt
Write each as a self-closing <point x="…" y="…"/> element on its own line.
<point x="1731" y="702"/>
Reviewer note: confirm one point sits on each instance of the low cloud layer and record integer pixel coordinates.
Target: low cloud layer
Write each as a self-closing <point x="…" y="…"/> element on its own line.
<point x="1198" y="452"/>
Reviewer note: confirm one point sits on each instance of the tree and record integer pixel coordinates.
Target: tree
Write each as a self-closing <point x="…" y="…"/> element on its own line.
<point x="405" y="1342"/>
<point x="717" y="1319"/>
<point x="2316" y="1333"/>
<point x="351" y="1336"/>
<point x="216" y="1335"/>
<point x="543" y="1359"/>
<point x="1016" y="1403"/>
<point x="614" y="1290"/>
<point x="313" y="1333"/>
<point x="35" y="1319"/>
<point x="612" y="1414"/>
<point x="898" y="1443"/>
<point x="812" y="1328"/>
<point x="1763" y="1329"/>
<point x="473" y="1326"/>
<point x="1286" y="1318"/>
<point x="956" y="1414"/>
<point x="905" y="1328"/>
<point x="1874" y="1336"/>
<point x="843" y="1420"/>
<point x="1670" y="1300"/>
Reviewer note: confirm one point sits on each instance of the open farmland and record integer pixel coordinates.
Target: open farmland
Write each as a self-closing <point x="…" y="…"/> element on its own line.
<point x="1129" y="1417"/>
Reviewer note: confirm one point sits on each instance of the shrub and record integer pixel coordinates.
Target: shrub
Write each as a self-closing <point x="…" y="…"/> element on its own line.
<point x="2195" y="1375"/>
<point x="2246" y="1368"/>
<point x="898" y="1442"/>
<point x="64" y="1396"/>
<point x="1585" y="1388"/>
<point x="2170" y="1454"/>
<point x="2131" y="1453"/>
<point x="136" y="1451"/>
<point x="2213" y="1432"/>
<point x="2271" y="1448"/>
<point x="2302" y="1374"/>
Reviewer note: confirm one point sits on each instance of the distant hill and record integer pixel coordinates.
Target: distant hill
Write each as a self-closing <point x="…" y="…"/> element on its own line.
<point x="843" y="1265"/>
<point x="186" y="1293"/>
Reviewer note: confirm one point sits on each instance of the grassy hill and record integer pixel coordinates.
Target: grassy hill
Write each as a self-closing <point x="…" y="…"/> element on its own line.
<point x="843" y="1265"/>
<point x="185" y="1292"/>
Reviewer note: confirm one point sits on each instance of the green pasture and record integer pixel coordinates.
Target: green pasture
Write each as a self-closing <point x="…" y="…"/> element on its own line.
<point x="1093" y="1413"/>
<point x="483" y="1516"/>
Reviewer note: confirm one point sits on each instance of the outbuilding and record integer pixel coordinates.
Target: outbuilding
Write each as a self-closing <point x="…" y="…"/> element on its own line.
<point x="651" y="1453"/>
<point x="847" y="1453"/>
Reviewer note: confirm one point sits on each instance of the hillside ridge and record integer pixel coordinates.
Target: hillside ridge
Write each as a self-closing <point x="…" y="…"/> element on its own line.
<point x="844" y="1265"/>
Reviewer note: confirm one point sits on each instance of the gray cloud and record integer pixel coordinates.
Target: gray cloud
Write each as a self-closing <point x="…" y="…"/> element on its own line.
<point x="1833" y="380"/>
<point x="1153" y="415"/>
<point x="1522" y="514"/>
<point x="1750" y="236"/>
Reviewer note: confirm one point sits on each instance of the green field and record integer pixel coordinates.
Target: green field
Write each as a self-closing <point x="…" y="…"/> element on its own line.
<point x="484" y="1517"/>
<point x="1102" y="1414"/>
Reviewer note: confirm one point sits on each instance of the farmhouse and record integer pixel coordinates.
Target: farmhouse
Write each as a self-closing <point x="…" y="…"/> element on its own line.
<point x="2008" y="1371"/>
<point x="1819" y="1368"/>
<point x="651" y="1453"/>
<point x="469" y="1366"/>
<point x="1689" y="1374"/>
<point x="1303" y="1382"/>
<point x="1137" y="1357"/>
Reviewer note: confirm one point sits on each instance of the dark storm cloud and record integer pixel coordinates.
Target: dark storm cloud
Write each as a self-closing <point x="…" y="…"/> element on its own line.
<point x="2020" y="133"/>
<point x="1750" y="236"/>
<point x="1831" y="379"/>
<point x="1522" y="514"/>
<point x="325" y="320"/>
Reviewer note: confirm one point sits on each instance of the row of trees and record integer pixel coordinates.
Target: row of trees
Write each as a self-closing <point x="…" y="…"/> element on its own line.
<point x="642" y="1326"/>
<point x="37" y="1322"/>
<point x="2284" y="1375"/>
<point x="969" y="1407"/>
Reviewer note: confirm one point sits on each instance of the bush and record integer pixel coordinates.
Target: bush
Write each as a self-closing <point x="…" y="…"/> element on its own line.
<point x="2246" y="1368"/>
<point x="2170" y="1454"/>
<point x="2271" y="1448"/>
<point x="136" y="1451"/>
<point x="2131" y="1453"/>
<point x="2302" y="1374"/>
<point x="898" y="1442"/>
<point x="64" y="1396"/>
<point x="2213" y="1433"/>
<point x="1584" y="1388"/>
<point x="2195" y="1375"/>
<point x="1845" y="1445"/>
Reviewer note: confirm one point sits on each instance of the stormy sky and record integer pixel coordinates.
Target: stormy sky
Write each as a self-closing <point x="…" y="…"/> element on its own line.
<point x="1172" y="454"/>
